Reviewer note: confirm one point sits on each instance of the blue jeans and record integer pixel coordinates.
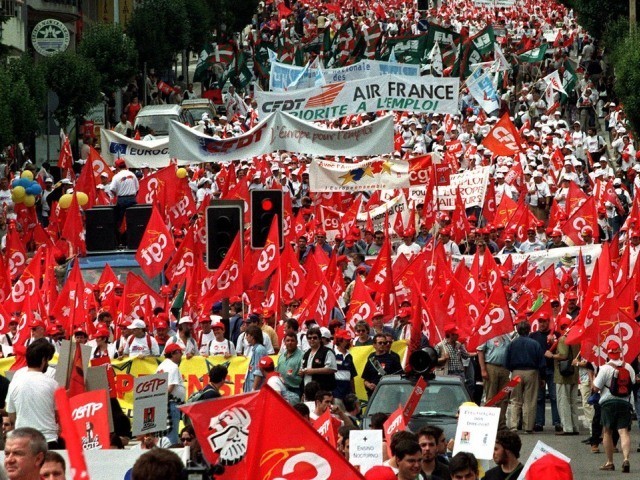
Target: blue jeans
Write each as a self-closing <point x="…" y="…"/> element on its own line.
<point x="174" y="414"/>
<point x="540" y="413"/>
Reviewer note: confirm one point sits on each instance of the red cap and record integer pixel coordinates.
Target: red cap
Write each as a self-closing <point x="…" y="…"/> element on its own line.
<point x="81" y="330"/>
<point x="120" y="163"/>
<point x="266" y="362"/>
<point x="101" y="332"/>
<point x="404" y="312"/>
<point x="378" y="313"/>
<point x="571" y="295"/>
<point x="218" y="325"/>
<point x="267" y="312"/>
<point x="409" y="232"/>
<point x="321" y="232"/>
<point x="556" y="233"/>
<point x="564" y="321"/>
<point x="235" y="299"/>
<point x="508" y="238"/>
<point x="550" y="467"/>
<point x="586" y="231"/>
<point x="450" y="328"/>
<point x="36" y="323"/>
<point x="174" y="347"/>
<point x="162" y="324"/>
<point x="341" y="334"/>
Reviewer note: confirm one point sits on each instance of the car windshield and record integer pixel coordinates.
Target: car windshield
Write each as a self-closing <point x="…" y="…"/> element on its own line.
<point x="438" y="399"/>
<point x="92" y="275"/>
<point x="158" y="123"/>
<point x="198" y="111"/>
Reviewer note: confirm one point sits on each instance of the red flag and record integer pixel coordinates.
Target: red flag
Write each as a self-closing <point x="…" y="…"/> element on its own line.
<point x="459" y="224"/>
<point x="585" y="216"/>
<point x="361" y="306"/>
<point x="226" y="281"/>
<point x="489" y="209"/>
<point x="76" y="379"/>
<point x="293" y="275"/>
<point x="395" y="423"/>
<point x="72" y="440"/>
<point x="494" y="320"/>
<point x="503" y="138"/>
<point x="73" y="229"/>
<point x="506" y="390"/>
<point x="15" y="253"/>
<point x="237" y="432"/>
<point x="325" y="424"/>
<point x="86" y="183"/>
<point x="92" y="407"/>
<point x="505" y="210"/>
<point x="135" y="296"/>
<point x="267" y="260"/>
<point x="183" y="261"/>
<point x="414" y="399"/>
<point x="156" y="246"/>
<point x="65" y="159"/>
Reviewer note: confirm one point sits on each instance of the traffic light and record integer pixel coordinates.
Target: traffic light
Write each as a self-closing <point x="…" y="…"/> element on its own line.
<point x="265" y="204"/>
<point x="224" y="221"/>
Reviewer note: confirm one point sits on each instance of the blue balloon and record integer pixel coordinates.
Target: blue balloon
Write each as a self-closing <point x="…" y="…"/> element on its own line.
<point x="33" y="189"/>
<point x="24" y="182"/>
<point x="16" y="183"/>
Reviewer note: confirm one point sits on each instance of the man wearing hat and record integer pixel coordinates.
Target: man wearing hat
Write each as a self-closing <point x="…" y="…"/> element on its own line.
<point x="531" y="244"/>
<point x="344" y="361"/>
<point x="45" y="207"/>
<point x="7" y="340"/>
<point x="539" y="197"/>
<point x="124" y="186"/>
<point x="177" y="392"/>
<point x="615" y="410"/>
<point x="451" y="352"/>
<point x="184" y="337"/>
<point x="140" y="344"/>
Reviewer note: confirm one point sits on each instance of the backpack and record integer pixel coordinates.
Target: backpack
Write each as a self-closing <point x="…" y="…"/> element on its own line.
<point x="620" y="382"/>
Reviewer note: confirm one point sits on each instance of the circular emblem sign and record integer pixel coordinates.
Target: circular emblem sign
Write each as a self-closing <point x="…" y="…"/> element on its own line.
<point x="50" y="36"/>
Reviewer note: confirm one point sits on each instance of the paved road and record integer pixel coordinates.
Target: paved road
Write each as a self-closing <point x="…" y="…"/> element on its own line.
<point x="584" y="463"/>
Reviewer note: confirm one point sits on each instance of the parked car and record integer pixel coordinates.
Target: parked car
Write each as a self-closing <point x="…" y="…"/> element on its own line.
<point x="121" y="263"/>
<point x="198" y="106"/>
<point x="157" y="117"/>
<point x="438" y="405"/>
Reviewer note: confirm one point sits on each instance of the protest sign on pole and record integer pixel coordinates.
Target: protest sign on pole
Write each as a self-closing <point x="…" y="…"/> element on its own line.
<point x="89" y="412"/>
<point x="150" y="400"/>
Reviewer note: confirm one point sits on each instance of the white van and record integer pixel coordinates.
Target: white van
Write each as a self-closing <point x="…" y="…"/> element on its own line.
<point x="157" y="118"/>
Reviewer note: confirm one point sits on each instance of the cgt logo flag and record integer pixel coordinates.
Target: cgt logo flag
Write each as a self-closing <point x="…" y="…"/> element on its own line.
<point x="237" y="433"/>
<point x="156" y="246"/>
<point x="504" y="139"/>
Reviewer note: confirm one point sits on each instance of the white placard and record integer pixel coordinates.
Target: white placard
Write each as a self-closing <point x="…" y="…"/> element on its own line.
<point x="476" y="432"/>
<point x="365" y="448"/>
<point x="150" y="399"/>
<point x="540" y="450"/>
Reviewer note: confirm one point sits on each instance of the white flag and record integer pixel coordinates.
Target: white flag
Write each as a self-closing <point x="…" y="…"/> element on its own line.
<point x="499" y="56"/>
<point x="435" y="58"/>
<point x="553" y="81"/>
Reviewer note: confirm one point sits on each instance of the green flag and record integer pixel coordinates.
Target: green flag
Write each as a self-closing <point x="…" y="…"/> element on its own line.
<point x="410" y="49"/>
<point x="206" y="54"/>
<point x="483" y="40"/>
<point x="534" y="55"/>
<point x="569" y="80"/>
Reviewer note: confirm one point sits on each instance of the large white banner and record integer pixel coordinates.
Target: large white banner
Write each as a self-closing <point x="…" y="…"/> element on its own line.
<point x="473" y="187"/>
<point x="544" y="258"/>
<point x="281" y="131"/>
<point x="154" y="153"/>
<point x="283" y="76"/>
<point x="385" y="92"/>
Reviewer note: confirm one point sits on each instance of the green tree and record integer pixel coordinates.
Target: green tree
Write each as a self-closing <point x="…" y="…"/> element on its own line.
<point x="76" y="82"/>
<point x="112" y="52"/>
<point x="594" y="15"/>
<point x="200" y="24"/>
<point x="232" y="15"/>
<point x="24" y="95"/>
<point x="626" y="59"/>
<point x="160" y="29"/>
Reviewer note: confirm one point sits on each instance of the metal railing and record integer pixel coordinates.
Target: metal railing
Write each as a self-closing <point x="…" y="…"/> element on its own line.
<point x="9" y="8"/>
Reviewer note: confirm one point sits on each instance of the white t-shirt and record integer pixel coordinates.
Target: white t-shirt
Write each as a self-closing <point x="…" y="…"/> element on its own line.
<point x="275" y="382"/>
<point x="605" y="376"/>
<point x="221" y="348"/>
<point x="205" y="340"/>
<point x="135" y="347"/>
<point x="175" y="378"/>
<point x="31" y="398"/>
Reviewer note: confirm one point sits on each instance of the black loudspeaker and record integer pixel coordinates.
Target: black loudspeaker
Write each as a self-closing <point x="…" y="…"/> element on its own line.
<point x="101" y="229"/>
<point x="137" y="218"/>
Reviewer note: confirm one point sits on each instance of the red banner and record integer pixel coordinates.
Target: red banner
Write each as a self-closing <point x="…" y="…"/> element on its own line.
<point x="414" y="399"/>
<point x="506" y="390"/>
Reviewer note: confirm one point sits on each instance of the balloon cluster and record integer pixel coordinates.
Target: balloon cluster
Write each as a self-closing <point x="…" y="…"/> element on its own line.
<point x="25" y="189"/>
<point x="67" y="198"/>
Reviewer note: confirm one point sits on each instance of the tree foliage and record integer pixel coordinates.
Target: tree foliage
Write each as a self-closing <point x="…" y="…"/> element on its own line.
<point x="160" y="29"/>
<point x="595" y="15"/>
<point x="626" y="59"/>
<point x="200" y="24"/>
<point x="112" y="52"/>
<point x="24" y="96"/>
<point x="76" y="82"/>
<point x="232" y="15"/>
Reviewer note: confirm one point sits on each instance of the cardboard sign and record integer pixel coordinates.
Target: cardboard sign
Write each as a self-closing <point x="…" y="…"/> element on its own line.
<point x="365" y="448"/>
<point x="150" y="402"/>
<point x="89" y="412"/>
<point x="476" y="432"/>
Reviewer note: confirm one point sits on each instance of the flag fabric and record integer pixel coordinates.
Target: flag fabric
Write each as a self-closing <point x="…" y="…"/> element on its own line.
<point x="65" y="159"/>
<point x="76" y="379"/>
<point x="534" y="55"/>
<point x="237" y="432"/>
<point x="267" y="259"/>
<point x="553" y="80"/>
<point x="435" y="60"/>
<point x="503" y="138"/>
<point x="68" y="431"/>
<point x="156" y="246"/>
<point x="407" y="49"/>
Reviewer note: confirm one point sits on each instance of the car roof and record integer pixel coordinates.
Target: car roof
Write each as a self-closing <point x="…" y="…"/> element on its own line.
<point x="159" y="109"/>
<point x="199" y="102"/>
<point x="440" y="379"/>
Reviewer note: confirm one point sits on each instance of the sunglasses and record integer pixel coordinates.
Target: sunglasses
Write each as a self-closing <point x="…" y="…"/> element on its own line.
<point x="361" y="331"/>
<point x="312" y="337"/>
<point x="186" y="439"/>
<point x="377" y="237"/>
<point x="383" y="343"/>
